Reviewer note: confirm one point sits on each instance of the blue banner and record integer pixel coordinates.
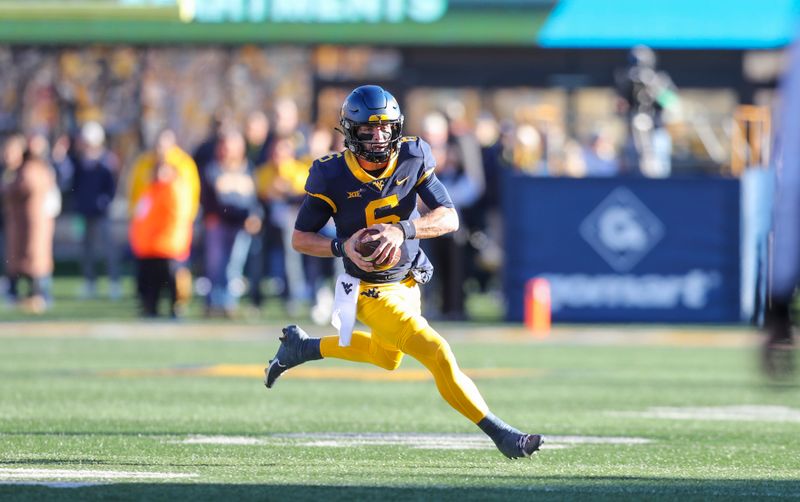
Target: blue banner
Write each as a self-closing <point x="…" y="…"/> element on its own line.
<point x="625" y="249"/>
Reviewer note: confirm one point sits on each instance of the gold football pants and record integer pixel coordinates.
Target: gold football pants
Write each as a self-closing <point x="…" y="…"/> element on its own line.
<point x="393" y="312"/>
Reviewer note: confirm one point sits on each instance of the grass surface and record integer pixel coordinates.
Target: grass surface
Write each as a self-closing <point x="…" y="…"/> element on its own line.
<point x="124" y="398"/>
<point x="68" y="306"/>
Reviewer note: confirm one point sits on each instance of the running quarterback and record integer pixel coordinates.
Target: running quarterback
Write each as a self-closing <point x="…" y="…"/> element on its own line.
<point x="370" y="190"/>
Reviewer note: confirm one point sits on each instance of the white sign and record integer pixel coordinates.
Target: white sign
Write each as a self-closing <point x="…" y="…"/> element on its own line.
<point x="622" y="230"/>
<point x="625" y="291"/>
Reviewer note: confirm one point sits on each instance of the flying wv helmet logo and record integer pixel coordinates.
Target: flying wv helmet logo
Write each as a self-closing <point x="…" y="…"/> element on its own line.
<point x="348" y="287"/>
<point x="622" y="230"/>
<point x="378" y="184"/>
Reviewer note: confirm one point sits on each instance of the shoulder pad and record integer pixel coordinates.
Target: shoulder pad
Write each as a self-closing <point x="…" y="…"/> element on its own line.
<point x="412" y="145"/>
<point x="328" y="165"/>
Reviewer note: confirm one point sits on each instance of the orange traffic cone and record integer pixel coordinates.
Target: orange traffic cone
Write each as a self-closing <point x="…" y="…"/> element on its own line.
<point x="537" y="306"/>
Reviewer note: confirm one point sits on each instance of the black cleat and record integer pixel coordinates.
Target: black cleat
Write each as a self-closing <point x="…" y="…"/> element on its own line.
<point x="289" y="354"/>
<point x="530" y="444"/>
<point x="520" y="445"/>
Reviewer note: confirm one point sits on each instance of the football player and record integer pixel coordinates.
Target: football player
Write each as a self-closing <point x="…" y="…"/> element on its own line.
<point x="373" y="184"/>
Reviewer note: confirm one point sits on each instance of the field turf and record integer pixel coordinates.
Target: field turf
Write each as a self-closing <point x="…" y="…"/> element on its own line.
<point x="128" y="410"/>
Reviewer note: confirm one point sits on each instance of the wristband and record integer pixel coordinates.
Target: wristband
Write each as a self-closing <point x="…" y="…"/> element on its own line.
<point x="336" y="248"/>
<point x="408" y="228"/>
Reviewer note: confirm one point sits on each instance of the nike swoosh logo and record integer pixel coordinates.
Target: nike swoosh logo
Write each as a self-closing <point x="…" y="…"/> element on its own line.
<point x="275" y="362"/>
<point x="268" y="370"/>
<point x="400" y="182"/>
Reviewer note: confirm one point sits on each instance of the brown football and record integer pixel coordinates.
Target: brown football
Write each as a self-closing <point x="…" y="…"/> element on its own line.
<point x="367" y="248"/>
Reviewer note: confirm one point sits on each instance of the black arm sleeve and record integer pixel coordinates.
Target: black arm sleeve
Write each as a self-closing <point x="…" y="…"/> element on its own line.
<point x="313" y="215"/>
<point x="433" y="193"/>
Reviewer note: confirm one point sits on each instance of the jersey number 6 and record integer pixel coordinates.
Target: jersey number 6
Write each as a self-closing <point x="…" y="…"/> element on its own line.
<point x="384" y="203"/>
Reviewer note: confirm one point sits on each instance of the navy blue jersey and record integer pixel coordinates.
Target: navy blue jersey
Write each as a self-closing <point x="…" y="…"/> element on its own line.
<point x="339" y="188"/>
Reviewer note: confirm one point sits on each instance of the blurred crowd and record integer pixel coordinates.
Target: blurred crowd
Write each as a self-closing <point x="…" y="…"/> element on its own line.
<point x="203" y="154"/>
<point x="216" y="219"/>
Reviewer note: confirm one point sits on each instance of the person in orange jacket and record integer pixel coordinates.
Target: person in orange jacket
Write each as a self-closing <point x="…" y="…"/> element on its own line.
<point x="161" y="236"/>
<point x="140" y="178"/>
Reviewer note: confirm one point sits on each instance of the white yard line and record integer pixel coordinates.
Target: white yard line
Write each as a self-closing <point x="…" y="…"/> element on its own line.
<point x="409" y="440"/>
<point x="222" y="440"/>
<point x="28" y="474"/>
<point x="52" y="484"/>
<point x="747" y="413"/>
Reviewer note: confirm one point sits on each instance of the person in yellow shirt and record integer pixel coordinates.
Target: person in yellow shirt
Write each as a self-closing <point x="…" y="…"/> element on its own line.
<point x="283" y="176"/>
<point x="280" y="183"/>
<point x="167" y="151"/>
<point x="161" y="236"/>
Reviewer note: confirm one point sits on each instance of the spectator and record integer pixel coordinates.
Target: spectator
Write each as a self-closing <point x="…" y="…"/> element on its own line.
<point x="571" y="162"/>
<point x="281" y="183"/>
<point x="12" y="159"/>
<point x="487" y="132"/>
<point x="286" y="123"/>
<point x="528" y="152"/>
<point x="256" y="131"/>
<point x="94" y="186"/>
<point x="166" y="150"/>
<point x="39" y="149"/>
<point x="161" y="233"/>
<point x="63" y="165"/>
<point x="204" y="154"/>
<point x="231" y="215"/>
<point x="27" y="183"/>
<point x="448" y="253"/>
<point x="4" y="282"/>
<point x="645" y="94"/>
<point x="461" y="134"/>
<point x="320" y="144"/>
<point x="140" y="179"/>
<point x="599" y="156"/>
<point x="485" y="240"/>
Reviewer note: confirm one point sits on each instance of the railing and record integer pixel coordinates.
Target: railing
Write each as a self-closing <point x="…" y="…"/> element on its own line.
<point x="750" y="138"/>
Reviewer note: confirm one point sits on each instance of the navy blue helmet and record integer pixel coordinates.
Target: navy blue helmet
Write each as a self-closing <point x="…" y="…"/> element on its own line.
<point x="370" y="105"/>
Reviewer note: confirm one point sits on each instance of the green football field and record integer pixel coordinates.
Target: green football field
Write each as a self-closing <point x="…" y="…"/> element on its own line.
<point x="164" y="411"/>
